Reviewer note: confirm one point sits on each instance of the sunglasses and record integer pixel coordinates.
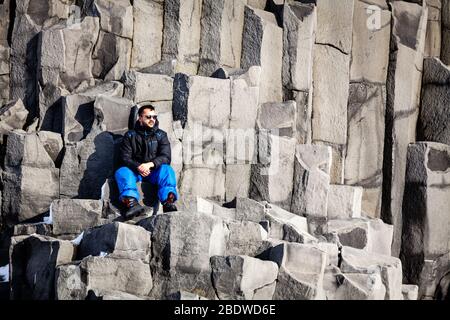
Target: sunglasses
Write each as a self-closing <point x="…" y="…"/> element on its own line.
<point x="151" y="117"/>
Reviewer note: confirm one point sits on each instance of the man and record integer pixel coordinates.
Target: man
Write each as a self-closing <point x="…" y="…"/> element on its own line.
<point x="145" y="155"/>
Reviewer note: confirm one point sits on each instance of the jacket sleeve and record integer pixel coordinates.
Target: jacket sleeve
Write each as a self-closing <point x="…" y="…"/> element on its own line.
<point x="164" y="152"/>
<point x="126" y="153"/>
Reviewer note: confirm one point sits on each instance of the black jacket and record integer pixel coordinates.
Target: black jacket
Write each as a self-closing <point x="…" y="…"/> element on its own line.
<point x="143" y="145"/>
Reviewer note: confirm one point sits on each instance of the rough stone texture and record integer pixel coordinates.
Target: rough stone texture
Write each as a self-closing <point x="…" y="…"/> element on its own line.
<point x="279" y="116"/>
<point x="143" y="88"/>
<point x="72" y="216"/>
<point x="53" y="144"/>
<point x="370" y="41"/>
<point x="425" y="208"/>
<point x="87" y="165"/>
<point x="312" y="167"/>
<point x="116" y="17"/>
<point x="263" y="46"/>
<point x="272" y="177"/>
<point x="241" y="277"/>
<point x="356" y="286"/>
<point x="434" y="112"/>
<point x="181" y="34"/>
<point x="433" y="36"/>
<point x="79" y="112"/>
<point x="359" y="261"/>
<point x="241" y="138"/>
<point x="329" y="123"/>
<point x="30" y="179"/>
<point x="221" y="35"/>
<point x="4" y="65"/>
<point x="113" y="113"/>
<point x="285" y="225"/>
<point x="12" y="116"/>
<point x="103" y="275"/>
<point x="410" y="292"/>
<point x="250" y="210"/>
<point x="344" y="202"/>
<point x="301" y="271"/>
<point x="208" y="115"/>
<point x="244" y="238"/>
<point x="182" y="245"/>
<point x="402" y="107"/>
<point x="58" y="65"/>
<point x="33" y="262"/>
<point x="364" y="159"/>
<point x="367" y="101"/>
<point x="147" y="33"/>
<point x="445" y="44"/>
<point x="299" y="28"/>
<point x="111" y="56"/>
<point x="332" y="16"/>
<point x="30" y="18"/>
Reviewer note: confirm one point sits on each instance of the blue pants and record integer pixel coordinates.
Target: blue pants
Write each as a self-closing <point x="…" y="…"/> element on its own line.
<point x="164" y="177"/>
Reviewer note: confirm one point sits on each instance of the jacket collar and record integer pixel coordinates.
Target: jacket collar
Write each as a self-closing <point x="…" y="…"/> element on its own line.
<point x="144" y="130"/>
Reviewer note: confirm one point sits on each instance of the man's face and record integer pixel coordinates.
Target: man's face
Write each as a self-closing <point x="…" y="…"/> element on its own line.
<point x="148" y="118"/>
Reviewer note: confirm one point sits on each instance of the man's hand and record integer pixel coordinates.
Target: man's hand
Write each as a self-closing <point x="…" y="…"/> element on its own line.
<point x="145" y="169"/>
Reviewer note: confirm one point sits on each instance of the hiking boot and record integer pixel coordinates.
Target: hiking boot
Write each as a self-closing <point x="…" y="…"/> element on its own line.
<point x="168" y="206"/>
<point x="133" y="207"/>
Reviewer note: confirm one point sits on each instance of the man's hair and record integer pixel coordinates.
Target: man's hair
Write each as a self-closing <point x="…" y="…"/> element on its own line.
<point x="141" y="109"/>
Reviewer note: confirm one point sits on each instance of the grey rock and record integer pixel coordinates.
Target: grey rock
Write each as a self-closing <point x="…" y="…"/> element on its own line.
<point x="359" y="261"/>
<point x="365" y="145"/>
<point x="147" y="33"/>
<point x="344" y="202"/>
<point x="301" y="271"/>
<point x="87" y="165"/>
<point x="116" y="17"/>
<point x="239" y="277"/>
<point x="72" y="216"/>
<point x="181" y="36"/>
<point x="272" y="177"/>
<point x="53" y="144"/>
<point x="281" y="116"/>
<point x="147" y="87"/>
<point x="402" y="107"/>
<point x="426" y="201"/>
<point x="118" y="240"/>
<point x="221" y="36"/>
<point x="30" y="181"/>
<point x="111" y="56"/>
<point x="33" y="261"/>
<point x="182" y="244"/>
<point x="12" y="116"/>
<point x="257" y="50"/>
<point x="244" y="238"/>
<point x="312" y="167"/>
<point x="434" y="110"/>
<point x="104" y="276"/>
<point x="410" y="291"/>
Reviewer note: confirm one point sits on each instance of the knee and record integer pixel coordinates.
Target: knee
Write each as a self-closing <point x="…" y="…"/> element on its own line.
<point x="123" y="172"/>
<point x="166" y="168"/>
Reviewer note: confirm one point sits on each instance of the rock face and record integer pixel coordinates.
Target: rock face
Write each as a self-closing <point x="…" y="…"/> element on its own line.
<point x="33" y="263"/>
<point x="181" y="34"/>
<point x="243" y="278"/>
<point x="311" y="180"/>
<point x="263" y="46"/>
<point x="299" y="28"/>
<point x="434" y="110"/>
<point x="30" y="179"/>
<point x="147" y="33"/>
<point x="221" y="36"/>
<point x="309" y="141"/>
<point x="402" y="107"/>
<point x="425" y="234"/>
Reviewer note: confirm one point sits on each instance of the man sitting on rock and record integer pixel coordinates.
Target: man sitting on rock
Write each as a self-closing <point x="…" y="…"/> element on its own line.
<point x="145" y="155"/>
